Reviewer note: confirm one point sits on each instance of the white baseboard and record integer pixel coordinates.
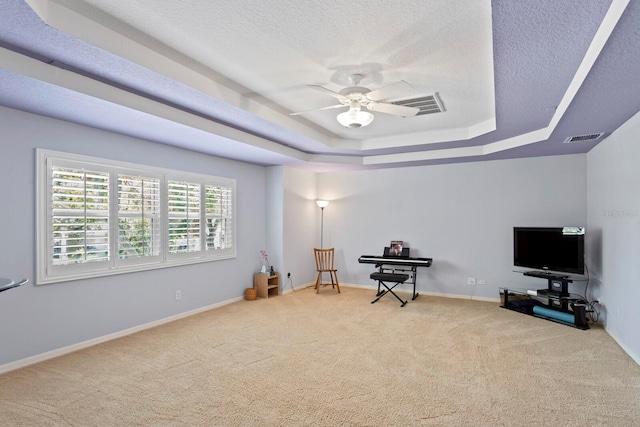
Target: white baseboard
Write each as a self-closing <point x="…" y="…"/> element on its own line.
<point x="433" y="294"/>
<point x="85" y="344"/>
<point x="298" y="288"/>
<point x="624" y="347"/>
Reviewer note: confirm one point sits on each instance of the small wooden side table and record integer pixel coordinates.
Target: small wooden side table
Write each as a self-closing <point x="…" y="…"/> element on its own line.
<point x="267" y="285"/>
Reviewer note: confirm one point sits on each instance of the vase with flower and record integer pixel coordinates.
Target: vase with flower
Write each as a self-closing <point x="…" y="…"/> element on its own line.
<point x="265" y="263"/>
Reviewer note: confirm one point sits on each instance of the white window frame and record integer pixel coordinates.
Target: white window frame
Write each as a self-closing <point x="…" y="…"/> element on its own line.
<point x="46" y="272"/>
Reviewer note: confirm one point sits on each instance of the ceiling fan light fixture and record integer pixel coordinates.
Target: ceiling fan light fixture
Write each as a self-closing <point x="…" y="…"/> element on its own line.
<point x="354" y="118"/>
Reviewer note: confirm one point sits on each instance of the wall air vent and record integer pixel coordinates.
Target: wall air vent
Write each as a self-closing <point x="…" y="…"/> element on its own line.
<point x="427" y="104"/>
<point x="583" y="138"/>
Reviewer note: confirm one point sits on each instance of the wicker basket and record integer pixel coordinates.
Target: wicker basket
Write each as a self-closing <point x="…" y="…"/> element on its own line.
<point x="250" y="294"/>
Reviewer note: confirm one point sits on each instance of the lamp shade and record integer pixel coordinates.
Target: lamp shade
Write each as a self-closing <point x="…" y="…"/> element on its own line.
<point x="322" y="203"/>
<point x="354" y="118"/>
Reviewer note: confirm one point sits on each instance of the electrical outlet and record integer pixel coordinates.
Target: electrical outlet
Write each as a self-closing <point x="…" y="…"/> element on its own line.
<point x="178" y="295"/>
<point x="471" y="281"/>
<point x="482" y="282"/>
<point x="288" y="275"/>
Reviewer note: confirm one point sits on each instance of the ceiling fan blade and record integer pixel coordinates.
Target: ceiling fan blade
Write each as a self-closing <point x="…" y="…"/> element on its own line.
<point x="399" y="89"/>
<point x="329" y="92"/>
<point x="318" y="109"/>
<point x="396" y="110"/>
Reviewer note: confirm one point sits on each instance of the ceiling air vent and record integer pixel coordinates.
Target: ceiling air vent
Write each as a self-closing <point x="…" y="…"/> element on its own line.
<point x="426" y="104"/>
<point x="583" y="138"/>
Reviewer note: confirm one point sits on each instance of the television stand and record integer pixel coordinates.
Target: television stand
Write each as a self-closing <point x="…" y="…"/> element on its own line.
<point x="559" y="306"/>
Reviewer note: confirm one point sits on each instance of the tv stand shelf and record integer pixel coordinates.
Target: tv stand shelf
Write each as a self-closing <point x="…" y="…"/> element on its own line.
<point x="559" y="306"/>
<point x="547" y="275"/>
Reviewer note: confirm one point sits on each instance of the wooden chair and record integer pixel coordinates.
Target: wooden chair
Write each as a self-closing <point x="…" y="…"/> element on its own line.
<point x="324" y="264"/>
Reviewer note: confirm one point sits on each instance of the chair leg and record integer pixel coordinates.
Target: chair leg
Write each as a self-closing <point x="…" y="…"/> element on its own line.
<point x="334" y="281"/>
<point x="336" y="277"/>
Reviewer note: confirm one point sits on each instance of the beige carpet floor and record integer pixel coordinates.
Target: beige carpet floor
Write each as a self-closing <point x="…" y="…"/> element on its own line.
<point x="332" y="359"/>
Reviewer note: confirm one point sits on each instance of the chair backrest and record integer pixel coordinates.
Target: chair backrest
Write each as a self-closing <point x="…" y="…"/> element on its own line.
<point x="324" y="259"/>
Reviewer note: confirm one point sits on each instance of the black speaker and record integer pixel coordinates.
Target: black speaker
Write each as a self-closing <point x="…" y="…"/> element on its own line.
<point x="580" y="314"/>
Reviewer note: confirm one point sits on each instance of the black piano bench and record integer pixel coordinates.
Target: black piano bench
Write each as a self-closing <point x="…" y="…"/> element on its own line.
<point x="383" y="279"/>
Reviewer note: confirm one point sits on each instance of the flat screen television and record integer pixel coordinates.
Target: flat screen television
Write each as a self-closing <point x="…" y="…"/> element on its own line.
<point x="553" y="249"/>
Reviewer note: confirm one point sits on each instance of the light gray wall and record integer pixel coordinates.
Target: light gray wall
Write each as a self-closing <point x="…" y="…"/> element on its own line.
<point x="292" y="224"/>
<point x="461" y="215"/>
<point x="37" y="319"/>
<point x="301" y="216"/>
<point x="613" y="178"/>
<point x="275" y="223"/>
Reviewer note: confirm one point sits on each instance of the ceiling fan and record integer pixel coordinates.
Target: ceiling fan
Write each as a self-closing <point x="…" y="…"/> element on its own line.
<point x="356" y="97"/>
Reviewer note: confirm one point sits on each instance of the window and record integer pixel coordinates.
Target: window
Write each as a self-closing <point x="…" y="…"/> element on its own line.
<point x="79" y="215"/>
<point x="218" y="205"/>
<point x="98" y="217"/>
<point x="139" y="225"/>
<point x="184" y="217"/>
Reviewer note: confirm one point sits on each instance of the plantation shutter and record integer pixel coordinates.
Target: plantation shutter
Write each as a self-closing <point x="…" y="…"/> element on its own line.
<point x="183" y="216"/>
<point x="219" y="210"/>
<point x="138" y="217"/>
<point x="79" y="216"/>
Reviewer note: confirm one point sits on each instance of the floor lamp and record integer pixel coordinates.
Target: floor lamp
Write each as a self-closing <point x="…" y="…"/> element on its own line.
<point x="322" y="204"/>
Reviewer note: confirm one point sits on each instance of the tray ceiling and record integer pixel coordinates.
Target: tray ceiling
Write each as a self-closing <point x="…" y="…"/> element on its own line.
<point x="516" y="79"/>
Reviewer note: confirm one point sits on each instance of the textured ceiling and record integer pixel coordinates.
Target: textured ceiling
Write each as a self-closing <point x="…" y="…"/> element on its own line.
<point x="516" y="78"/>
